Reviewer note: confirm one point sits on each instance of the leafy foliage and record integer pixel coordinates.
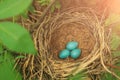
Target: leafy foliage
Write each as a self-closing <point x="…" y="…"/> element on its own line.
<point x="115" y="42"/>
<point x="16" y="38"/>
<point x="1" y="49"/>
<point x="10" y="8"/>
<point x="13" y="37"/>
<point x="79" y="76"/>
<point x="108" y="76"/>
<point x="117" y="71"/>
<point x="113" y="18"/>
<point x="6" y="68"/>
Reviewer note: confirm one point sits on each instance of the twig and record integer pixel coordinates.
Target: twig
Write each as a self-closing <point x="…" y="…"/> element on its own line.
<point x="42" y="16"/>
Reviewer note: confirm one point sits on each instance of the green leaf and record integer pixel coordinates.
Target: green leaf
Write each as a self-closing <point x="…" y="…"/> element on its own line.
<point x="1" y="58"/>
<point x="16" y="38"/>
<point x="19" y="57"/>
<point x="25" y="14"/>
<point x="1" y="49"/>
<point x="31" y="8"/>
<point x="115" y="42"/>
<point x="6" y="69"/>
<point x="107" y="76"/>
<point x="79" y="76"/>
<point x="10" y="8"/>
<point x="113" y="18"/>
<point x="117" y="71"/>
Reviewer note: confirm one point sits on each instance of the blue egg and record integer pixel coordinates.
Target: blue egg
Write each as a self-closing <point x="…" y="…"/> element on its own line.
<point x="64" y="54"/>
<point x="75" y="53"/>
<point x="72" y="45"/>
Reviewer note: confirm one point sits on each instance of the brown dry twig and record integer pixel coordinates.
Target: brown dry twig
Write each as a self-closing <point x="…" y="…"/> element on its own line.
<point x="35" y="25"/>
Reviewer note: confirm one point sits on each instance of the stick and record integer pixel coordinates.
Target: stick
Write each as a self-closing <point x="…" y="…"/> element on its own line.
<point x="42" y="16"/>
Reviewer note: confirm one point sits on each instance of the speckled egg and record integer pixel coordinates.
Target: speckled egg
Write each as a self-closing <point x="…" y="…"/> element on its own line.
<point x="75" y="53"/>
<point x="72" y="45"/>
<point x="64" y="54"/>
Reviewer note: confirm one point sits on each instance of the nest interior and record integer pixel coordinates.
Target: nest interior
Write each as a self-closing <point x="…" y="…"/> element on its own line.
<point x="72" y="32"/>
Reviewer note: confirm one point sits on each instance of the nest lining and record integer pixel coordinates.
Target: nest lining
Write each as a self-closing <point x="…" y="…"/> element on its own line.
<point x="71" y="32"/>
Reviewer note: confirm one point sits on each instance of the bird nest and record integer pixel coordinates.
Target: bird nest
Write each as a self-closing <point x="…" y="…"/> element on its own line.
<point x="79" y="24"/>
